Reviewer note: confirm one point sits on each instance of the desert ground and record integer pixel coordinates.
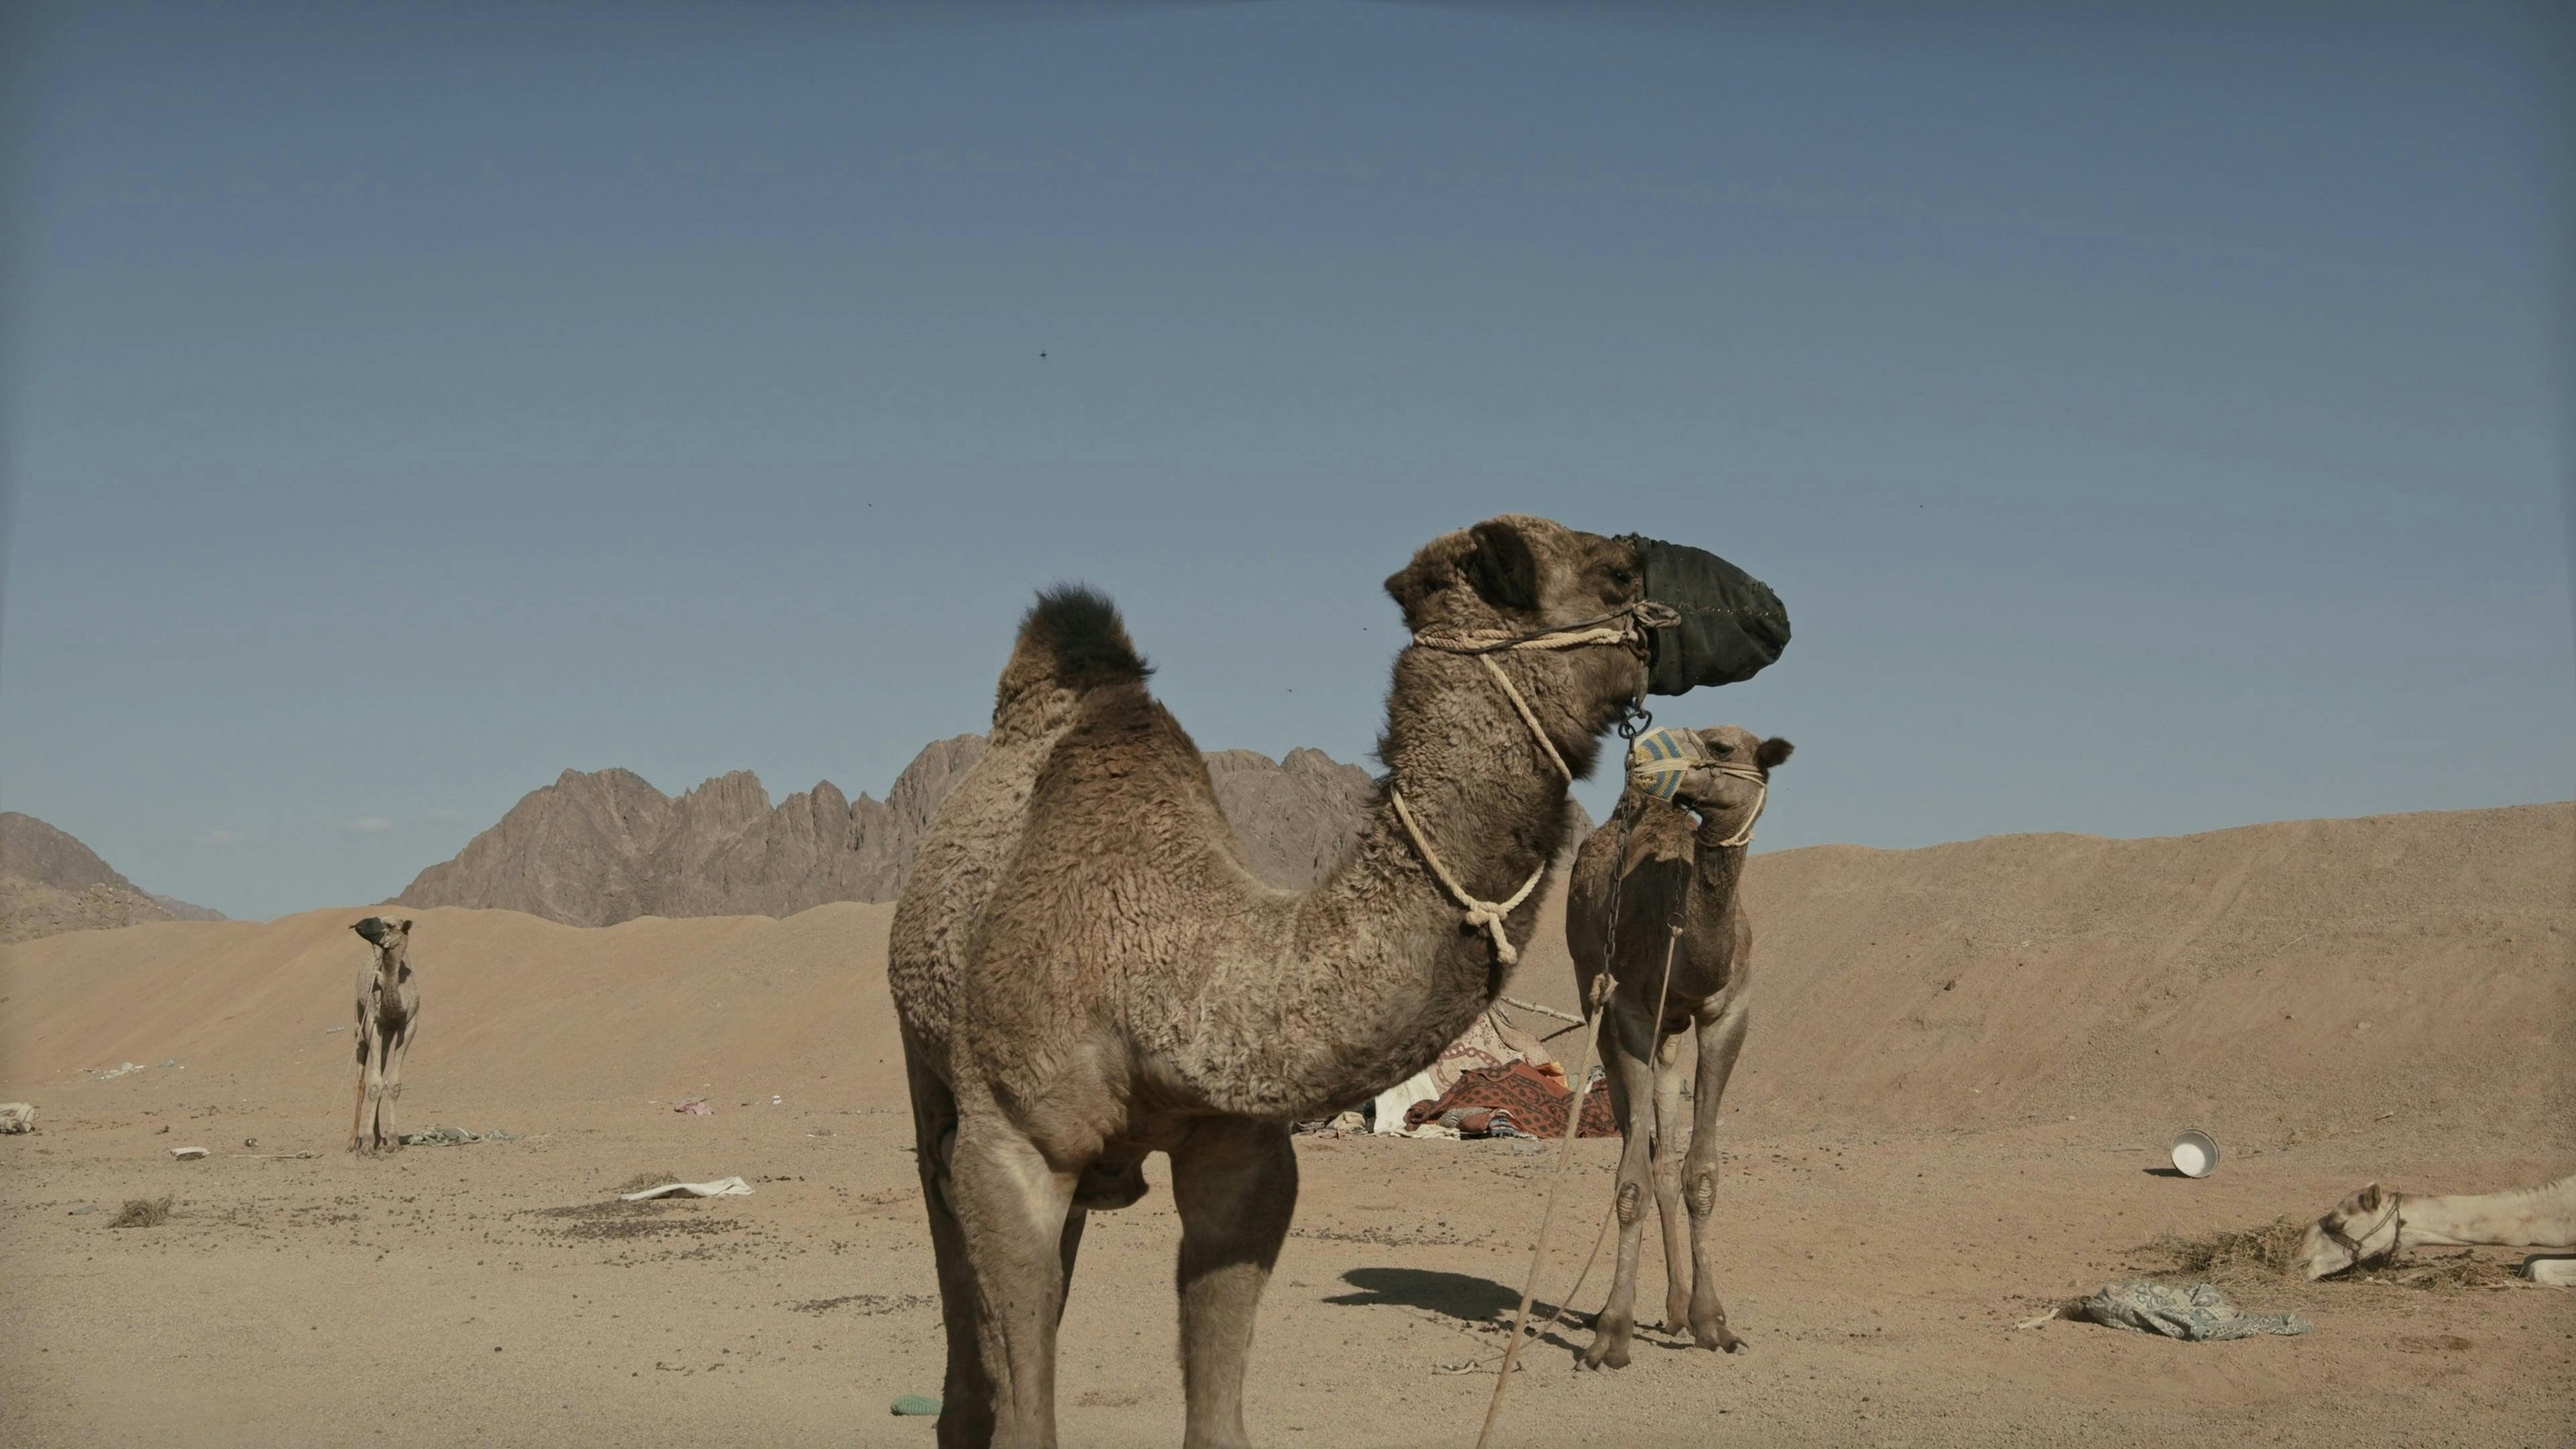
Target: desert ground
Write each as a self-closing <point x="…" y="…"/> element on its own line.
<point x="1964" y="1064"/>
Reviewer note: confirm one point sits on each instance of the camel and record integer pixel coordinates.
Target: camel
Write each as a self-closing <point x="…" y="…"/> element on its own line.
<point x="1664" y="888"/>
<point x="1087" y="971"/>
<point x="2372" y="1225"/>
<point x="388" y="1015"/>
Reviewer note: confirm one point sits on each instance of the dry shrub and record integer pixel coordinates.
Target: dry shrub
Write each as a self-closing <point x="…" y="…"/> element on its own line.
<point x="643" y="1180"/>
<point x="143" y="1213"/>
<point x="2260" y="1254"/>
<point x="2270" y="1254"/>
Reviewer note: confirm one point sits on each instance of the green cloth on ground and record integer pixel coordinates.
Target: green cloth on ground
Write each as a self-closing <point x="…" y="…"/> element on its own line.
<point x="453" y="1137"/>
<point x="916" y="1406"/>
<point x="2197" y="1314"/>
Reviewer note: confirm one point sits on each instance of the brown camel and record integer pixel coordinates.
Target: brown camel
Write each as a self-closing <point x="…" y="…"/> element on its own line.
<point x="388" y="1015"/>
<point x="1087" y="971"/>
<point x="1646" y="875"/>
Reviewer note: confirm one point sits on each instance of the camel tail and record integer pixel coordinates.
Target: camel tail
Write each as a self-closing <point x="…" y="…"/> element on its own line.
<point x="1071" y="640"/>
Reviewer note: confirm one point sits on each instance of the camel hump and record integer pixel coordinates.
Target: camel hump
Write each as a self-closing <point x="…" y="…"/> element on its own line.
<point x="1077" y="629"/>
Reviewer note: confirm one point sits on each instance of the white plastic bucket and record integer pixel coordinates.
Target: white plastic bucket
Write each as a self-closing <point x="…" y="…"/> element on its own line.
<point x="2194" y="1153"/>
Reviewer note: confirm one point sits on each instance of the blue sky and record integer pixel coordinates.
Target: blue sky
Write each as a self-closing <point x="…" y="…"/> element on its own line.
<point x="2154" y="423"/>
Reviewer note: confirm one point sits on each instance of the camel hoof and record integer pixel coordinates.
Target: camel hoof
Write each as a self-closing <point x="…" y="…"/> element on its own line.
<point x="1605" y="1354"/>
<point x="1718" y="1338"/>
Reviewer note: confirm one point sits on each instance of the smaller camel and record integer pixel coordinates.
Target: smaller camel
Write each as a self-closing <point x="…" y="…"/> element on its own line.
<point x="388" y="1015"/>
<point x="2372" y="1225"/>
<point x="1652" y="888"/>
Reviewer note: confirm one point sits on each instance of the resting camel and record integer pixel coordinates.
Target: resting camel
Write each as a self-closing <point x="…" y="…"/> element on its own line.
<point x="1657" y="871"/>
<point x="388" y="1014"/>
<point x="1087" y="970"/>
<point x="2372" y="1225"/>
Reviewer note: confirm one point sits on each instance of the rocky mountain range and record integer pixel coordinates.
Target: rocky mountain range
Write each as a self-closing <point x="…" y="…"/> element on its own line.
<point x="50" y="883"/>
<point x="599" y="847"/>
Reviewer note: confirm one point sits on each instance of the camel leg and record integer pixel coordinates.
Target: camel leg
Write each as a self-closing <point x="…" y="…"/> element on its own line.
<point x="371" y="1052"/>
<point x="1632" y="1092"/>
<point x="1719" y="1043"/>
<point x="1235" y="1185"/>
<point x="356" y="1120"/>
<point x="388" y="1135"/>
<point x="1068" y="1247"/>
<point x="1666" y="1151"/>
<point x="1011" y="1207"/>
<point x="375" y="1113"/>
<point x="967" y="1398"/>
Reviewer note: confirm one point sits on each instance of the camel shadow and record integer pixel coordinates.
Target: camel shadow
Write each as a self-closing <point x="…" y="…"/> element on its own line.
<point x="1461" y="1296"/>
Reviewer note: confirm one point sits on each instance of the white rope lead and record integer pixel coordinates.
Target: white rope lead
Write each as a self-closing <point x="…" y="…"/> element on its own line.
<point x="1489" y="916"/>
<point x="1481" y="915"/>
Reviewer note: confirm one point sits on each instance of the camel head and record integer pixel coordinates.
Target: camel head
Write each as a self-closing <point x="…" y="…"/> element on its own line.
<point x="1724" y="798"/>
<point x="1517" y="575"/>
<point x="391" y="939"/>
<point x="2366" y="1221"/>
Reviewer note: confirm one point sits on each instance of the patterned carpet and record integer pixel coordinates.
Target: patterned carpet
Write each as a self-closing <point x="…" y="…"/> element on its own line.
<point x="1535" y="1100"/>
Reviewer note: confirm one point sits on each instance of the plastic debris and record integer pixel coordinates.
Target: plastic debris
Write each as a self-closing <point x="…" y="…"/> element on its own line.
<point x="916" y="1406"/>
<point x="695" y="1107"/>
<point x="17" y="1117"/>
<point x="187" y="1154"/>
<point x="2197" y="1314"/>
<point x="721" y="1187"/>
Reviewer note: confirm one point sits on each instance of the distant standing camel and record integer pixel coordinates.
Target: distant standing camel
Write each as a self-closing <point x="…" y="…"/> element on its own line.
<point x="2372" y="1224"/>
<point x="1659" y="874"/>
<point x="388" y="1014"/>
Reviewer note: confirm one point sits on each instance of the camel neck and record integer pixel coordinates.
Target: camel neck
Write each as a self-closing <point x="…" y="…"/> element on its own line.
<point x="2517" y="1217"/>
<point x="1384" y="951"/>
<point x="1488" y="796"/>
<point x="1720" y="868"/>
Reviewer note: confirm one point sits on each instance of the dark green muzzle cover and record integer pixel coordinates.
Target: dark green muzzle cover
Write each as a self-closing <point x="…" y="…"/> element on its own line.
<point x="1732" y="626"/>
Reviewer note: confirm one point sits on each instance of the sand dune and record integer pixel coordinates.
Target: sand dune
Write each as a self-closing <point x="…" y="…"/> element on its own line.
<point x="2317" y="972"/>
<point x="2292" y="976"/>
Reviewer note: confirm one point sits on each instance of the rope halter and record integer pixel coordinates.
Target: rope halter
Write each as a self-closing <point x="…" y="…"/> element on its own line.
<point x="1660" y="760"/>
<point x="1626" y="627"/>
<point x="2351" y="1244"/>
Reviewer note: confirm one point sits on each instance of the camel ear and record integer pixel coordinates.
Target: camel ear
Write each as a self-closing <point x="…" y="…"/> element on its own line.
<point x="2367" y="1199"/>
<point x="406" y="928"/>
<point x="1502" y="568"/>
<point x="1434" y="568"/>
<point x="1772" y="752"/>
